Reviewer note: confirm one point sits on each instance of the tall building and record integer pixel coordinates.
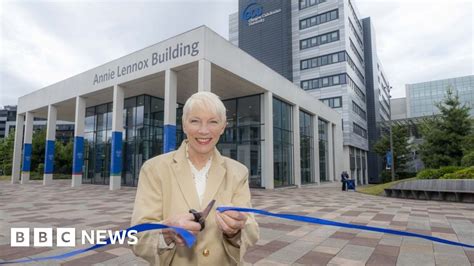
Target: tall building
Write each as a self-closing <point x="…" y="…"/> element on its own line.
<point x="378" y="99"/>
<point x="323" y="47"/>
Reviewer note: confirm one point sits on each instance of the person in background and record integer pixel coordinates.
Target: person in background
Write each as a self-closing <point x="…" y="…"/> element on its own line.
<point x="344" y="178"/>
<point x="172" y="184"/>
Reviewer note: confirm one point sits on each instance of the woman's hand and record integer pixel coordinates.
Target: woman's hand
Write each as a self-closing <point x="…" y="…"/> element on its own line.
<point x="230" y="222"/>
<point x="185" y="221"/>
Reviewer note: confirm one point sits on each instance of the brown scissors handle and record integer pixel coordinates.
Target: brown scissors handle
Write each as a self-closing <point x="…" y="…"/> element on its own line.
<point x="198" y="218"/>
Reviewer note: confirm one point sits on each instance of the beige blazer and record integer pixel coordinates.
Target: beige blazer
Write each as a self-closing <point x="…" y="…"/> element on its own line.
<point x="166" y="187"/>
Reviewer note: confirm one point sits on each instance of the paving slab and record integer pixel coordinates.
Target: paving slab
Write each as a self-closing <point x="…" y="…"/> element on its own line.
<point x="281" y="242"/>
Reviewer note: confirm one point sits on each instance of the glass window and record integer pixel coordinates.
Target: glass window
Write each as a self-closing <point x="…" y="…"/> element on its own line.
<point x="306" y="148"/>
<point x="335" y="35"/>
<point x="304" y="64"/>
<point x="244" y="120"/>
<point x="324" y="60"/>
<point x="323" y="38"/>
<point x="303" y="24"/>
<point x="323" y="18"/>
<point x="335" y="58"/>
<point x="323" y="151"/>
<point x="335" y="80"/>
<point x="325" y="81"/>
<point x="302" y="4"/>
<point x="282" y="148"/>
<point x="304" y="85"/>
<point x="249" y="110"/>
<point x="303" y="44"/>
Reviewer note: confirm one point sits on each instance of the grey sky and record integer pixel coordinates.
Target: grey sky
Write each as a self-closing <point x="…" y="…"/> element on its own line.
<point x="43" y="42"/>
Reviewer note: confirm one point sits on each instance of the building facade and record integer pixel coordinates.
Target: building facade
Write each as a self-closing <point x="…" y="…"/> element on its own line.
<point x="378" y="100"/>
<point x="420" y="102"/>
<point x="129" y="110"/>
<point x="7" y="114"/>
<point x="422" y="97"/>
<point x="320" y="45"/>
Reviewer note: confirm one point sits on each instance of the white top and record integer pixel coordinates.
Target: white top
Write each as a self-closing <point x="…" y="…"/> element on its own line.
<point x="200" y="178"/>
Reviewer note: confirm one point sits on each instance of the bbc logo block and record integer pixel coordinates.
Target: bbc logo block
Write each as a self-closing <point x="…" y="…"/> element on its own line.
<point x="43" y="237"/>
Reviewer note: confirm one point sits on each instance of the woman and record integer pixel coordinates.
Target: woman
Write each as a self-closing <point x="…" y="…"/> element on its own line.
<point x="189" y="178"/>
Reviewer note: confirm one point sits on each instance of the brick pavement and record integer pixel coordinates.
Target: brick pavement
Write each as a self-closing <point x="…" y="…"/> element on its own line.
<point x="281" y="242"/>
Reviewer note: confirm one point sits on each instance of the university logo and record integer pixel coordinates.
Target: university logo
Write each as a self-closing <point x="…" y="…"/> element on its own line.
<point x="253" y="10"/>
<point x="254" y="14"/>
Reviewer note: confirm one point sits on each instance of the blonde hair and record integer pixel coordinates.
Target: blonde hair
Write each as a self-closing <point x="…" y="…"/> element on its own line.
<point x="206" y="100"/>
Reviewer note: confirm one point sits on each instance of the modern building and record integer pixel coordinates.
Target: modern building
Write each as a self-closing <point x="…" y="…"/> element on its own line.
<point x="324" y="48"/>
<point x="422" y="97"/>
<point x="7" y="114"/>
<point x="64" y="129"/>
<point x="420" y="102"/>
<point x="378" y="100"/>
<point x="128" y="110"/>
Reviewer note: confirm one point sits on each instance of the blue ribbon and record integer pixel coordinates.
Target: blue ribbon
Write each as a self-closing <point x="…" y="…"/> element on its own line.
<point x="188" y="238"/>
<point x="313" y="220"/>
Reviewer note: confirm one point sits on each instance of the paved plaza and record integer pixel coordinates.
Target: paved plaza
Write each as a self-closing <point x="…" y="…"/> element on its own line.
<point x="281" y="242"/>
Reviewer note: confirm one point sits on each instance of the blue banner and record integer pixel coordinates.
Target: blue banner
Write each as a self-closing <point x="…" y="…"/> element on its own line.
<point x="78" y="159"/>
<point x="389" y="160"/>
<point x="116" y="154"/>
<point x="49" y="157"/>
<point x="169" y="138"/>
<point x="26" y="157"/>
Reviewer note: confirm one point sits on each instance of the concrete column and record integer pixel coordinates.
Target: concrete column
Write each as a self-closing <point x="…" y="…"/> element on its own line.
<point x="16" y="162"/>
<point x="78" y="154"/>
<point x="171" y="87"/>
<point x="49" y="149"/>
<point x="26" y="167"/>
<point x="331" y="161"/>
<point x="267" y="167"/>
<point x="317" y="176"/>
<point x="296" y="146"/>
<point x="204" y="75"/>
<point x="117" y="131"/>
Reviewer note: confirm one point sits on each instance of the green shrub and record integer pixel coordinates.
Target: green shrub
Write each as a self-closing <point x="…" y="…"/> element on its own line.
<point x="447" y="170"/>
<point x="437" y="173"/>
<point x="426" y="174"/>
<point x="468" y="159"/>
<point x="466" y="173"/>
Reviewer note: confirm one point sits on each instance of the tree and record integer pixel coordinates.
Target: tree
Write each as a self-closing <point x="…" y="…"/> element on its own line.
<point x="401" y="152"/>
<point x="445" y="134"/>
<point x="38" y="148"/>
<point x="6" y="153"/>
<point x="63" y="157"/>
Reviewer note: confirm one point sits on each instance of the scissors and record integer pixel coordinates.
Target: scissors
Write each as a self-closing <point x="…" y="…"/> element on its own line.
<point x="200" y="217"/>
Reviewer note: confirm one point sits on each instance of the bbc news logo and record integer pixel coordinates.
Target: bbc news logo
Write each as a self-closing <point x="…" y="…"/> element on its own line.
<point x="66" y="237"/>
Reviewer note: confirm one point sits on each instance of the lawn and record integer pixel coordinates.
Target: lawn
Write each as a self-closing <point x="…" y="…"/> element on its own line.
<point x="378" y="190"/>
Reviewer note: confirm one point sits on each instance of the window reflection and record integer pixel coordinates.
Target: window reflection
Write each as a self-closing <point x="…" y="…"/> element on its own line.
<point x="282" y="144"/>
